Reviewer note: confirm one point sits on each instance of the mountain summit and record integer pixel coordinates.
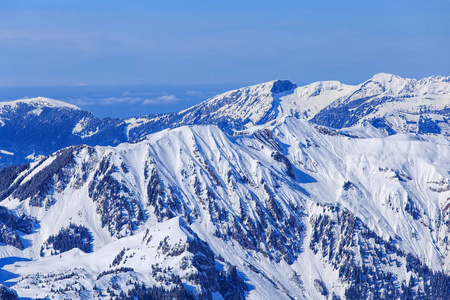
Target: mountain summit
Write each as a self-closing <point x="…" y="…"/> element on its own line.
<point x="38" y="102"/>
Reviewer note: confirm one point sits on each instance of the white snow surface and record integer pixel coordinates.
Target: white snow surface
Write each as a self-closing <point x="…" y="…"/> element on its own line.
<point x="384" y="172"/>
<point x="37" y="102"/>
<point x="6" y="152"/>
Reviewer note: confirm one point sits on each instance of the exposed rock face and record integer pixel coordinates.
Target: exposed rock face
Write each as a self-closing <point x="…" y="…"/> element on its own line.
<point x="281" y="86"/>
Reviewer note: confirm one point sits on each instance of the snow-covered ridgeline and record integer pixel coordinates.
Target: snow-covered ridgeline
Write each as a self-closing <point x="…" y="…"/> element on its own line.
<point x="397" y="105"/>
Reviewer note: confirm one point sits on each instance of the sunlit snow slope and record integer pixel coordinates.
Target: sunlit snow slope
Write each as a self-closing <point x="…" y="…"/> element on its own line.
<point x="293" y="210"/>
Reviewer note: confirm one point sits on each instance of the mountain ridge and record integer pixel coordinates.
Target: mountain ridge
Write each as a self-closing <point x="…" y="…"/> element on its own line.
<point x="34" y="127"/>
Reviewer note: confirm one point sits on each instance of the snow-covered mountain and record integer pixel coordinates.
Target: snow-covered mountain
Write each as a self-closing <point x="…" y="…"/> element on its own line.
<point x="387" y="101"/>
<point x="34" y="127"/>
<point x="292" y="210"/>
<point x="396" y="104"/>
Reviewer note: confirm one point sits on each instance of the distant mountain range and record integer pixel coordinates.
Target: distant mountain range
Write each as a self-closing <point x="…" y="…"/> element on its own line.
<point x="33" y="127"/>
<point x="257" y="193"/>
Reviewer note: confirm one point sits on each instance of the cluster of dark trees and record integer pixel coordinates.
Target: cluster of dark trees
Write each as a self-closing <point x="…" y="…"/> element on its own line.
<point x="22" y="223"/>
<point x="75" y="236"/>
<point x="8" y="176"/>
<point x="7" y="293"/>
<point x="118" y="258"/>
<point x="411" y="208"/>
<point x="117" y="205"/>
<point x="11" y="225"/>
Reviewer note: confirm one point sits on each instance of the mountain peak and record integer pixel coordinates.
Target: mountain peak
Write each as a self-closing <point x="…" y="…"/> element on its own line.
<point x="383" y="77"/>
<point x="388" y="84"/>
<point x="40" y="102"/>
<point x="387" y="79"/>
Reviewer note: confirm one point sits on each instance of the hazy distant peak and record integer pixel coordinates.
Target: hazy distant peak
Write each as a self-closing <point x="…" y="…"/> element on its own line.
<point x="40" y="102"/>
<point x="391" y="80"/>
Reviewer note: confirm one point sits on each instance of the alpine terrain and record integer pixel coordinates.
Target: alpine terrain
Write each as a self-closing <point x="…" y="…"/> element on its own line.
<point x="326" y="191"/>
<point x="32" y="128"/>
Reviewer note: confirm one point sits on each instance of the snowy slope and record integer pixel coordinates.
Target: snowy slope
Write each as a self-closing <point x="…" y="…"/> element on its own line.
<point x="299" y="210"/>
<point x="393" y="103"/>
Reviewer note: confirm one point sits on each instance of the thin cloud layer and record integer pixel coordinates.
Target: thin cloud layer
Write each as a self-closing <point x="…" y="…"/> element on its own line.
<point x="161" y="100"/>
<point x="139" y="100"/>
<point x="169" y="98"/>
<point x="117" y="100"/>
<point x="194" y="93"/>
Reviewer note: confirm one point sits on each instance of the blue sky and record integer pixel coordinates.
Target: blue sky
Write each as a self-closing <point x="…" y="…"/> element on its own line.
<point x="169" y="44"/>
